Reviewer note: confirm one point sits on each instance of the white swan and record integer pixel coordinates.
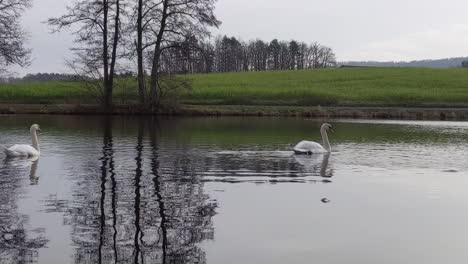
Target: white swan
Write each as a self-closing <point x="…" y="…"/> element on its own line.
<point x="310" y="147"/>
<point x="26" y="150"/>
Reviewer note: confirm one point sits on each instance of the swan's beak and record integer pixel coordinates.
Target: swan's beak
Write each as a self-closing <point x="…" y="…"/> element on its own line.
<point x="332" y="130"/>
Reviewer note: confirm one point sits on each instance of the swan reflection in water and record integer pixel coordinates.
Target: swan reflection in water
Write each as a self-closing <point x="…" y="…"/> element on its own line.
<point x="19" y="242"/>
<point x="267" y="167"/>
<point x="316" y="164"/>
<point x="12" y="164"/>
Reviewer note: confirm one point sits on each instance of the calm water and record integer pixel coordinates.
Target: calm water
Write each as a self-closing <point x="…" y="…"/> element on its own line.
<point x="229" y="190"/>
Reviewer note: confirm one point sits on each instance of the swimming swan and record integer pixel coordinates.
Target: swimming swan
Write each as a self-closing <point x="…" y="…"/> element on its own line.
<point x="26" y="150"/>
<point x="310" y="147"/>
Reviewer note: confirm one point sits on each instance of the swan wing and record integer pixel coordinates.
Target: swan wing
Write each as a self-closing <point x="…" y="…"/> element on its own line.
<point x="308" y="147"/>
<point x="21" y="151"/>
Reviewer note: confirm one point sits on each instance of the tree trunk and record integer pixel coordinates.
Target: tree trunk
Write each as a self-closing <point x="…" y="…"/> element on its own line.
<point x="105" y="57"/>
<point x="156" y="59"/>
<point x="154" y="79"/>
<point x="141" y="76"/>
<point x="114" y="52"/>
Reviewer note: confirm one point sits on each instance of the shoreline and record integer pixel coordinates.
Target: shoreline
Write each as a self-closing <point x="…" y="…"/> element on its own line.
<point x="398" y="113"/>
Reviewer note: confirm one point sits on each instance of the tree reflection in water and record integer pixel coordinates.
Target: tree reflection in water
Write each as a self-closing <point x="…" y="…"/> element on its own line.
<point x="18" y="244"/>
<point x="137" y="211"/>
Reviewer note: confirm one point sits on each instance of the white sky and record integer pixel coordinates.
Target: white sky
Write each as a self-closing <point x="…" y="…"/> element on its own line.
<point x="356" y="29"/>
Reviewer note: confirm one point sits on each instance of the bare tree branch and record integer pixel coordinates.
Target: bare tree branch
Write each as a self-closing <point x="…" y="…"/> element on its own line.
<point x="12" y="36"/>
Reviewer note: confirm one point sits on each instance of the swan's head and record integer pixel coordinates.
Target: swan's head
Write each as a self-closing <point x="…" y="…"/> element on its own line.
<point x="327" y="127"/>
<point x="35" y="128"/>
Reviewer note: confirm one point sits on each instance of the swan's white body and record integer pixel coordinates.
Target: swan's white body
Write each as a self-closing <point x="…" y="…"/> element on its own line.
<point x="311" y="147"/>
<point x="26" y="150"/>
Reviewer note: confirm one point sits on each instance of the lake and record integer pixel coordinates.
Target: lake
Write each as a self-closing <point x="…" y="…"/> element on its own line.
<point x="230" y="190"/>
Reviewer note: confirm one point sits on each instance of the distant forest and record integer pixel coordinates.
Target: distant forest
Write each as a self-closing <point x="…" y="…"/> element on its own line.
<point x="41" y="77"/>
<point x="230" y="54"/>
<point x="47" y="77"/>
<point x="440" y="63"/>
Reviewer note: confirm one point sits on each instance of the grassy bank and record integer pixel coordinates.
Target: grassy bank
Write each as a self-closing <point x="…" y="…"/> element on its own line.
<point x="404" y="87"/>
<point x="401" y="113"/>
<point x="336" y="87"/>
<point x="61" y="93"/>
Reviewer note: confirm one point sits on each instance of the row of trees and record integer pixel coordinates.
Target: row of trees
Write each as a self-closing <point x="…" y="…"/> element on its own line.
<point x="61" y="77"/>
<point x="41" y="77"/>
<point x="229" y="54"/>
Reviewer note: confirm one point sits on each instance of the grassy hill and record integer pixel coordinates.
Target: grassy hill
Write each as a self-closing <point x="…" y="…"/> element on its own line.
<point x="327" y="87"/>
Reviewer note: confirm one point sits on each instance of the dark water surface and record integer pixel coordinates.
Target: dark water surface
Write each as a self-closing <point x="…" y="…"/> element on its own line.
<point x="229" y="190"/>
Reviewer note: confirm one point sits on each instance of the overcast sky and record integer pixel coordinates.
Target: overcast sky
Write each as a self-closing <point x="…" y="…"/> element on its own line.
<point x="356" y="29"/>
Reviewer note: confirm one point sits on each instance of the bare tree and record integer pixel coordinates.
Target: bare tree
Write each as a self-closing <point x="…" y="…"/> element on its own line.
<point x="302" y="56"/>
<point x="97" y="34"/>
<point x="140" y="49"/>
<point x="12" y="36"/>
<point x="162" y="34"/>
<point x="327" y="57"/>
<point x="315" y="50"/>
<point x="172" y="22"/>
<point x="275" y="49"/>
<point x="293" y="54"/>
<point x="139" y="23"/>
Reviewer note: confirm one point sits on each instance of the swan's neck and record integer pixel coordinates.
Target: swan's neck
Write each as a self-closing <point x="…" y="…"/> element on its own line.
<point x="326" y="143"/>
<point x="35" y="141"/>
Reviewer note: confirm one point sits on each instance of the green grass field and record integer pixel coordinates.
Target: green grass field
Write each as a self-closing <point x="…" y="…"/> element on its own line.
<point x="328" y="87"/>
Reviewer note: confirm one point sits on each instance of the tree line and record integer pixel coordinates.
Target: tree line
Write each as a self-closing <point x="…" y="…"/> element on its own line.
<point x="229" y="54"/>
<point x="158" y="38"/>
<point x="41" y="77"/>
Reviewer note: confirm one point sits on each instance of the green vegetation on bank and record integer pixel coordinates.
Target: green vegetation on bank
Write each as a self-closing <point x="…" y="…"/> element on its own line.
<point x="336" y="87"/>
<point x="326" y="87"/>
